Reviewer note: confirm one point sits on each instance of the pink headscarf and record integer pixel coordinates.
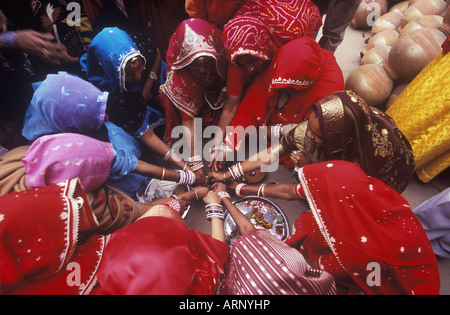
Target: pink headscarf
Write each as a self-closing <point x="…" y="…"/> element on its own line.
<point x="55" y="158"/>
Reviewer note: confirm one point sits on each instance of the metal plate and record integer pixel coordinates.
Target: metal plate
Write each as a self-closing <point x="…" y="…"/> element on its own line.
<point x="263" y="213"/>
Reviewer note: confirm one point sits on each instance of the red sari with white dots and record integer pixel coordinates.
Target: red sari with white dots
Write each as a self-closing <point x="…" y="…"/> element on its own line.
<point x="364" y="233"/>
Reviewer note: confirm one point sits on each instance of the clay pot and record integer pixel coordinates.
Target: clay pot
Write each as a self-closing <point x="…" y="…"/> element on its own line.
<point x="367" y="13"/>
<point x="377" y="55"/>
<point x="395" y="94"/>
<point x="385" y="38"/>
<point x="422" y="8"/>
<point x="413" y="52"/>
<point x="427" y="21"/>
<point x="389" y="21"/>
<point x="400" y="7"/>
<point x="371" y="83"/>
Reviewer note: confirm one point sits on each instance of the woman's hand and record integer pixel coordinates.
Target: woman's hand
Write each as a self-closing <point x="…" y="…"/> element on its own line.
<point x="200" y="178"/>
<point x="212" y="197"/>
<point x="299" y="159"/>
<point x="219" y="187"/>
<point x="216" y="176"/>
<point x="43" y="46"/>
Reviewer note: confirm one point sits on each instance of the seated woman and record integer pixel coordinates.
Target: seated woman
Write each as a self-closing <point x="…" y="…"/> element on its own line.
<point x="127" y="66"/>
<point x="285" y="93"/>
<point x="253" y="36"/>
<point x="359" y="230"/>
<point x="196" y="75"/>
<point x="67" y="104"/>
<point x="422" y="113"/>
<point x="341" y="127"/>
<point x="285" y="270"/>
<point x="38" y="260"/>
<point x="160" y="255"/>
<point x="54" y="158"/>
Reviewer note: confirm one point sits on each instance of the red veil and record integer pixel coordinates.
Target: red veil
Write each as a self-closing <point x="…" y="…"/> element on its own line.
<point x="358" y="224"/>
<point x="194" y="38"/>
<point x="260" y="27"/>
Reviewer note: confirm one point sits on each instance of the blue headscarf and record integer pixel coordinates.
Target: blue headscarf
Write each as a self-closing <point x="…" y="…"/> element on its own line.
<point x="106" y="58"/>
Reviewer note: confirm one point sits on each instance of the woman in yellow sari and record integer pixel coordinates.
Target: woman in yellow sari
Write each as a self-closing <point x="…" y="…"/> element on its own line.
<point x="422" y="113"/>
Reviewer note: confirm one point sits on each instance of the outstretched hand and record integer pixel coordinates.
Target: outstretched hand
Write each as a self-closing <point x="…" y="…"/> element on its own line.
<point x="42" y="45"/>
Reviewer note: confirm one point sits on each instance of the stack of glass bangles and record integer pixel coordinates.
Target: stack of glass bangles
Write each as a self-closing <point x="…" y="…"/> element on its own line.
<point x="215" y="211"/>
<point x="195" y="163"/>
<point x="236" y="171"/>
<point x="186" y="178"/>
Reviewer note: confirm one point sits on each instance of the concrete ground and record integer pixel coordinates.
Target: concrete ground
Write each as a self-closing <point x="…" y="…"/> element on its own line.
<point x="348" y="57"/>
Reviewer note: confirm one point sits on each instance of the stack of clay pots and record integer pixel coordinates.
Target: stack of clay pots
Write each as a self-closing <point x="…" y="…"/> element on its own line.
<point x="404" y="40"/>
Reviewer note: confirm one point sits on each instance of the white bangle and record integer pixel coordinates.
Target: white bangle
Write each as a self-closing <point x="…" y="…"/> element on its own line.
<point x="239" y="188"/>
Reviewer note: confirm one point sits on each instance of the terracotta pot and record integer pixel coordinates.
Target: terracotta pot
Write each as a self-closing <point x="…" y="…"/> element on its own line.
<point x="389" y="21"/>
<point x="413" y="52"/>
<point x="421" y="8"/>
<point x="377" y="55"/>
<point x="371" y="83"/>
<point x="427" y="21"/>
<point x="366" y="16"/>
<point x="400" y="7"/>
<point x="395" y="94"/>
<point x="386" y="38"/>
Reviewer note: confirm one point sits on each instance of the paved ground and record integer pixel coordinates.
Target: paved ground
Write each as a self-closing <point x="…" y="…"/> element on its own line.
<point x="348" y="56"/>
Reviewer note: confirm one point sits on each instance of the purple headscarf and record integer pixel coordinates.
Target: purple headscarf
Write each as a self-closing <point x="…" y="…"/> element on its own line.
<point x="64" y="103"/>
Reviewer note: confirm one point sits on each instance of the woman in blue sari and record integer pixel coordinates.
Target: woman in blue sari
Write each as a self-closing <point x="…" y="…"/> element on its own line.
<point x="129" y="67"/>
<point x="64" y="103"/>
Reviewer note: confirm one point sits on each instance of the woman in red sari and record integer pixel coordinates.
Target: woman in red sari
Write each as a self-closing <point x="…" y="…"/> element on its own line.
<point x="360" y="230"/>
<point x="252" y="38"/>
<point x="42" y="250"/>
<point x="195" y="78"/>
<point x="160" y="255"/>
<point x="285" y="93"/>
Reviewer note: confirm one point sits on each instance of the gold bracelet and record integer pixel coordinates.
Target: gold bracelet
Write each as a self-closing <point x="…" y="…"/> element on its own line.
<point x="262" y="190"/>
<point x="153" y="76"/>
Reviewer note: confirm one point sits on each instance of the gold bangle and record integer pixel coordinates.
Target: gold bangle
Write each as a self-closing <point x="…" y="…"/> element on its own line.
<point x="163" y="174"/>
<point x="262" y="190"/>
<point x="153" y="76"/>
<point x="168" y="155"/>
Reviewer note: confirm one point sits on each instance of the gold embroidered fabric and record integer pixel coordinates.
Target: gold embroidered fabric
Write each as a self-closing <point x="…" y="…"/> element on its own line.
<point x="422" y="113"/>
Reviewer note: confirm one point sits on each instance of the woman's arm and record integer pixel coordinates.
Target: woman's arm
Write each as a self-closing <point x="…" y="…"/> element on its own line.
<point x="154" y="171"/>
<point x="242" y="222"/>
<point x="217" y="229"/>
<point x="256" y="162"/>
<point x="278" y="191"/>
<point x="148" y="86"/>
<point x="151" y="140"/>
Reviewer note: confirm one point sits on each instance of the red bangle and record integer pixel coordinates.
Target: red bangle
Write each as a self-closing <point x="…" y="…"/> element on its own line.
<point x="239" y="188"/>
